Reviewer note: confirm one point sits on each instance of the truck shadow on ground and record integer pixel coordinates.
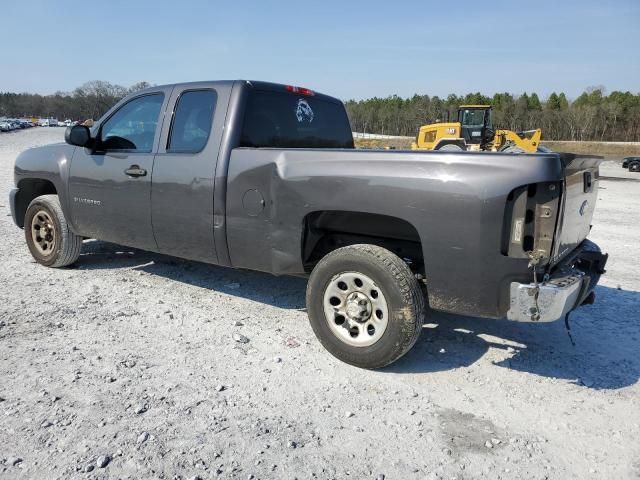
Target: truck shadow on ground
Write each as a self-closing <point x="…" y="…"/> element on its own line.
<point x="607" y="334"/>
<point x="282" y="292"/>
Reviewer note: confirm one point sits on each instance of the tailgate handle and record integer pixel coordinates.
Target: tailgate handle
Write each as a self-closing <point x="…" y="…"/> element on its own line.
<point x="588" y="182"/>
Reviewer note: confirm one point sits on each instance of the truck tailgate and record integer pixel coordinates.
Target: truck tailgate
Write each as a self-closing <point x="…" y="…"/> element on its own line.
<point x="581" y="177"/>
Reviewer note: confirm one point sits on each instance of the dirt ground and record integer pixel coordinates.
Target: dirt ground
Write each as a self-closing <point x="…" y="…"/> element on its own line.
<point x="137" y="365"/>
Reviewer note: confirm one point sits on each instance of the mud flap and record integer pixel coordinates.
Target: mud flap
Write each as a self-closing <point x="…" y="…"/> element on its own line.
<point x="592" y="261"/>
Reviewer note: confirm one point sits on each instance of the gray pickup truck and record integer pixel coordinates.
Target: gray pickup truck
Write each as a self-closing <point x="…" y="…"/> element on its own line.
<point x="265" y="177"/>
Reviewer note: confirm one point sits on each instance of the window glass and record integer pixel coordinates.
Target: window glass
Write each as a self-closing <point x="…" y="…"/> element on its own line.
<point x="473" y="118"/>
<point x="192" y="121"/>
<point x="283" y="120"/>
<point x="429" y="137"/>
<point x="133" y="126"/>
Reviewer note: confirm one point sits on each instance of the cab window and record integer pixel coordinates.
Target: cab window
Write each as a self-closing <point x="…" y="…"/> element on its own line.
<point x="473" y="117"/>
<point x="192" y="121"/>
<point x="282" y="120"/>
<point x="133" y="126"/>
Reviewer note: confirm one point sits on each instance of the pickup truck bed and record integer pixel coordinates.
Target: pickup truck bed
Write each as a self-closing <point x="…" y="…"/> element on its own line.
<point x="257" y="183"/>
<point x="449" y="206"/>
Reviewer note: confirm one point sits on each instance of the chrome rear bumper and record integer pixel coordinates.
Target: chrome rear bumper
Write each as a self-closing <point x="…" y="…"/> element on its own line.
<point x="567" y="288"/>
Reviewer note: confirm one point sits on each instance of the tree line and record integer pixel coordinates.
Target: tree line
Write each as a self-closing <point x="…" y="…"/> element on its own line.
<point x="88" y="101"/>
<point x="593" y="115"/>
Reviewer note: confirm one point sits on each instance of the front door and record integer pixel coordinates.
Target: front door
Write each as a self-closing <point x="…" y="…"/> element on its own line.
<point x="110" y="186"/>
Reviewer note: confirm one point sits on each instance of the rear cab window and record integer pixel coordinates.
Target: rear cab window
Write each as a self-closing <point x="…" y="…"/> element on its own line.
<point x="288" y="120"/>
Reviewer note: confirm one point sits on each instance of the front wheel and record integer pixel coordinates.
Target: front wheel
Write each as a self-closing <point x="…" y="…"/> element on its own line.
<point x="48" y="236"/>
<point x="634" y="167"/>
<point x="365" y="305"/>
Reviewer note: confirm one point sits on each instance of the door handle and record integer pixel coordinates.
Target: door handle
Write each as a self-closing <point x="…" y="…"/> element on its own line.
<point x="135" y="171"/>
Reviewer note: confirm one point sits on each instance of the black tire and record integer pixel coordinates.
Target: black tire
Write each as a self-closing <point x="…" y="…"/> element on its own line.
<point x="512" y="149"/>
<point x="399" y="289"/>
<point x="64" y="246"/>
<point x="634" y="167"/>
<point x="450" y="147"/>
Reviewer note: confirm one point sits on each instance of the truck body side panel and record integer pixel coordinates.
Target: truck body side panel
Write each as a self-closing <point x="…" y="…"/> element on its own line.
<point x="455" y="202"/>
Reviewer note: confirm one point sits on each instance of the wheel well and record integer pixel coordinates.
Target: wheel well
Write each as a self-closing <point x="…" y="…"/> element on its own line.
<point x="326" y="231"/>
<point x="30" y="188"/>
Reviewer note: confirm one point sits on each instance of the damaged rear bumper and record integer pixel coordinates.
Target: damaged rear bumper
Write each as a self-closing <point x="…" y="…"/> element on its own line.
<point x="570" y="285"/>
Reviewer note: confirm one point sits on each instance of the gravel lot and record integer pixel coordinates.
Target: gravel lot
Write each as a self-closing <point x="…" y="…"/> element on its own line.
<point x="137" y="365"/>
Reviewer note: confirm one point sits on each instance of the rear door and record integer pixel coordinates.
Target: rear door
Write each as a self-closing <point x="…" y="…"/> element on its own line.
<point x="110" y="188"/>
<point x="184" y="171"/>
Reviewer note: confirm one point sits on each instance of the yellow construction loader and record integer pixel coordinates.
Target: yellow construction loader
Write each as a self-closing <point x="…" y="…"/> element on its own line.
<point x="474" y="132"/>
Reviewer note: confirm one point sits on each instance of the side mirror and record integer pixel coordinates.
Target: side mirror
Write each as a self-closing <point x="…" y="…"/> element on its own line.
<point x="78" y="135"/>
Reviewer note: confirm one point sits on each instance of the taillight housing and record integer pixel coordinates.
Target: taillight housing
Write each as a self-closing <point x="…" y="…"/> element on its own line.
<point x="530" y="219"/>
<point x="300" y="90"/>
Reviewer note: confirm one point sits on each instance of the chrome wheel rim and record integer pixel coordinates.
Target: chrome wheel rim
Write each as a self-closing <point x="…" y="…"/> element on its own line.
<point x="43" y="233"/>
<point x="355" y="309"/>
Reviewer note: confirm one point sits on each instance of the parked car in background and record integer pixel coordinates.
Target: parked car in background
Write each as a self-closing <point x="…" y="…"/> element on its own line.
<point x="62" y="124"/>
<point x="43" y="122"/>
<point x="632" y="163"/>
<point x="5" y="126"/>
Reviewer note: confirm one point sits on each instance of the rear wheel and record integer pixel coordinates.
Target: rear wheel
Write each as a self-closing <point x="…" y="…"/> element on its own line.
<point x="634" y="167"/>
<point x="365" y="305"/>
<point x="48" y="236"/>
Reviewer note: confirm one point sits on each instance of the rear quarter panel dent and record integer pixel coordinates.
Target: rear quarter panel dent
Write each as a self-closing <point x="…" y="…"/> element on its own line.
<point x="454" y="201"/>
